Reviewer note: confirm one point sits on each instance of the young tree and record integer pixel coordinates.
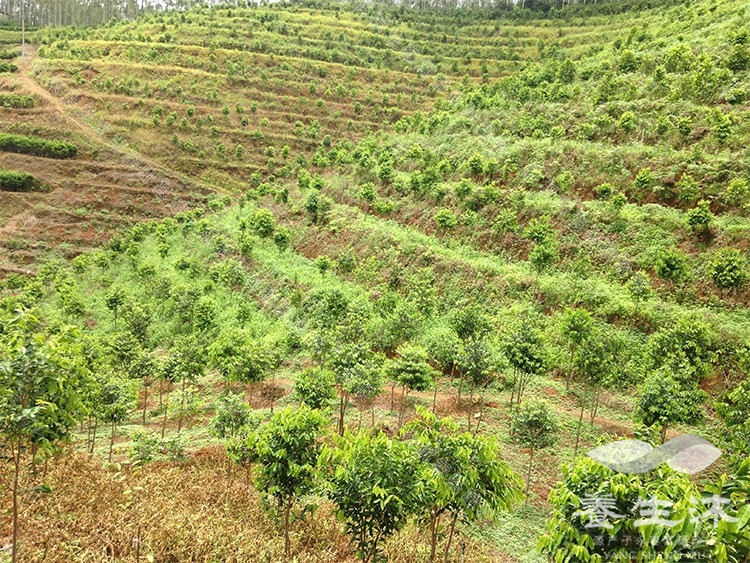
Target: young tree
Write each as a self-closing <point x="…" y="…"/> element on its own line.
<point x="315" y="387"/>
<point x="527" y="356"/>
<point x="534" y="427"/>
<point x="238" y="357"/>
<point x="543" y="255"/>
<point x="463" y="476"/>
<point x="596" y="362"/>
<point x="671" y="264"/>
<point x="575" y="325"/>
<point x="373" y="481"/>
<point x="444" y="347"/>
<point x="412" y="371"/>
<point x="41" y="383"/>
<point x="686" y="347"/>
<point x="479" y="363"/>
<point x="346" y="360"/>
<point x="734" y="410"/>
<point x="143" y="368"/>
<point x="114" y="299"/>
<point x="666" y="400"/>
<point x="286" y="451"/>
<point x="118" y="396"/>
<point x="232" y="414"/>
<point x="365" y="384"/>
<point x="699" y="218"/>
<point x="639" y="288"/>
<point x="186" y="362"/>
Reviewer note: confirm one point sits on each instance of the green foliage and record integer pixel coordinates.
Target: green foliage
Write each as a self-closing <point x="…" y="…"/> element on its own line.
<point x="37" y="146"/>
<point x="700" y="217"/>
<point x="315" y="387"/>
<point x="734" y="410"/>
<point x="239" y="357"/>
<point x="445" y="219"/>
<point x="461" y="475"/>
<point x="411" y="369"/>
<point x="232" y="414"/>
<point x="737" y="193"/>
<point x="671" y="264"/>
<point x="534" y="426"/>
<point x="666" y="401"/>
<point x="286" y="451"/>
<point x="729" y="269"/>
<point x="16" y="181"/>
<point x="373" y="482"/>
<point x="580" y="530"/>
<point x="263" y="223"/>
<point x="42" y="382"/>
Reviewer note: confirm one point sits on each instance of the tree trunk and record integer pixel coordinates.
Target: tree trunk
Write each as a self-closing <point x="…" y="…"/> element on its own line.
<point x="93" y="435"/>
<point x="528" y="475"/>
<point x="434" y="526"/>
<point x="287" y="509"/>
<point x="481" y="412"/>
<point x="164" y="420"/>
<point x="450" y="538"/>
<point x="460" y="388"/>
<point x="434" y="397"/>
<point x="401" y="407"/>
<point x="16" y="473"/>
<point x="182" y="407"/>
<point x="145" y="402"/>
<point x="569" y="378"/>
<point x="595" y="405"/>
<point x="580" y="423"/>
<point x="112" y="441"/>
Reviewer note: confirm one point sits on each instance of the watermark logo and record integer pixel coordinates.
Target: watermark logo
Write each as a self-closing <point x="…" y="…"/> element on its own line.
<point x="687" y="454"/>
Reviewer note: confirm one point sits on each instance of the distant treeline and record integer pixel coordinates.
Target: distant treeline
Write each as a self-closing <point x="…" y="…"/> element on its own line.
<point x="40" y="13"/>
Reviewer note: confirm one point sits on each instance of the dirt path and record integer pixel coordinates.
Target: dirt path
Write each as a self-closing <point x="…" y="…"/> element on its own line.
<point x="138" y="160"/>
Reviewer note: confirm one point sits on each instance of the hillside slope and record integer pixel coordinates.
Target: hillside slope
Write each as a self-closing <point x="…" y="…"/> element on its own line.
<point x="570" y="191"/>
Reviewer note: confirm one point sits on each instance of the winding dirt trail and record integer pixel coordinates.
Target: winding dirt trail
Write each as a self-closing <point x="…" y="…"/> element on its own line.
<point x="67" y="111"/>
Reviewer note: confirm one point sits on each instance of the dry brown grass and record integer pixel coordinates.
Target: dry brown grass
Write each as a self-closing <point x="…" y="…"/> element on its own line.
<point x="184" y="512"/>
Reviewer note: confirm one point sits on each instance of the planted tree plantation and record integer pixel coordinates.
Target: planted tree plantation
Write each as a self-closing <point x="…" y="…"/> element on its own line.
<point x="332" y="281"/>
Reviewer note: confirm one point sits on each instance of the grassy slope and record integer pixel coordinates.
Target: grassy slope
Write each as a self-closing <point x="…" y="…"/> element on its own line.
<point x="397" y="250"/>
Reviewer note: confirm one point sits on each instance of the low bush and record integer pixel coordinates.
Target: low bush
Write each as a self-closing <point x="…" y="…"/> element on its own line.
<point x="37" y="146"/>
<point x="16" y="100"/>
<point x="16" y="181"/>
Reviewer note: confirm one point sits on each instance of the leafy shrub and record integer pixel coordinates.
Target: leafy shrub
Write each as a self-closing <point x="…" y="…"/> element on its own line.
<point x="671" y="264"/>
<point x="16" y="181"/>
<point x="738" y="59"/>
<point x="9" y="100"/>
<point x="445" y="219"/>
<point x="604" y="191"/>
<point x="36" y="146"/>
<point x="263" y="222"/>
<point x="7" y="67"/>
<point x="688" y="189"/>
<point x="700" y="217"/>
<point x="315" y="387"/>
<point x="737" y="193"/>
<point x="728" y="269"/>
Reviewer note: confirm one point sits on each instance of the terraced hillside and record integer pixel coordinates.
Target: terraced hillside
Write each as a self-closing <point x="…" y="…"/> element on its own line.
<point x="542" y="233"/>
